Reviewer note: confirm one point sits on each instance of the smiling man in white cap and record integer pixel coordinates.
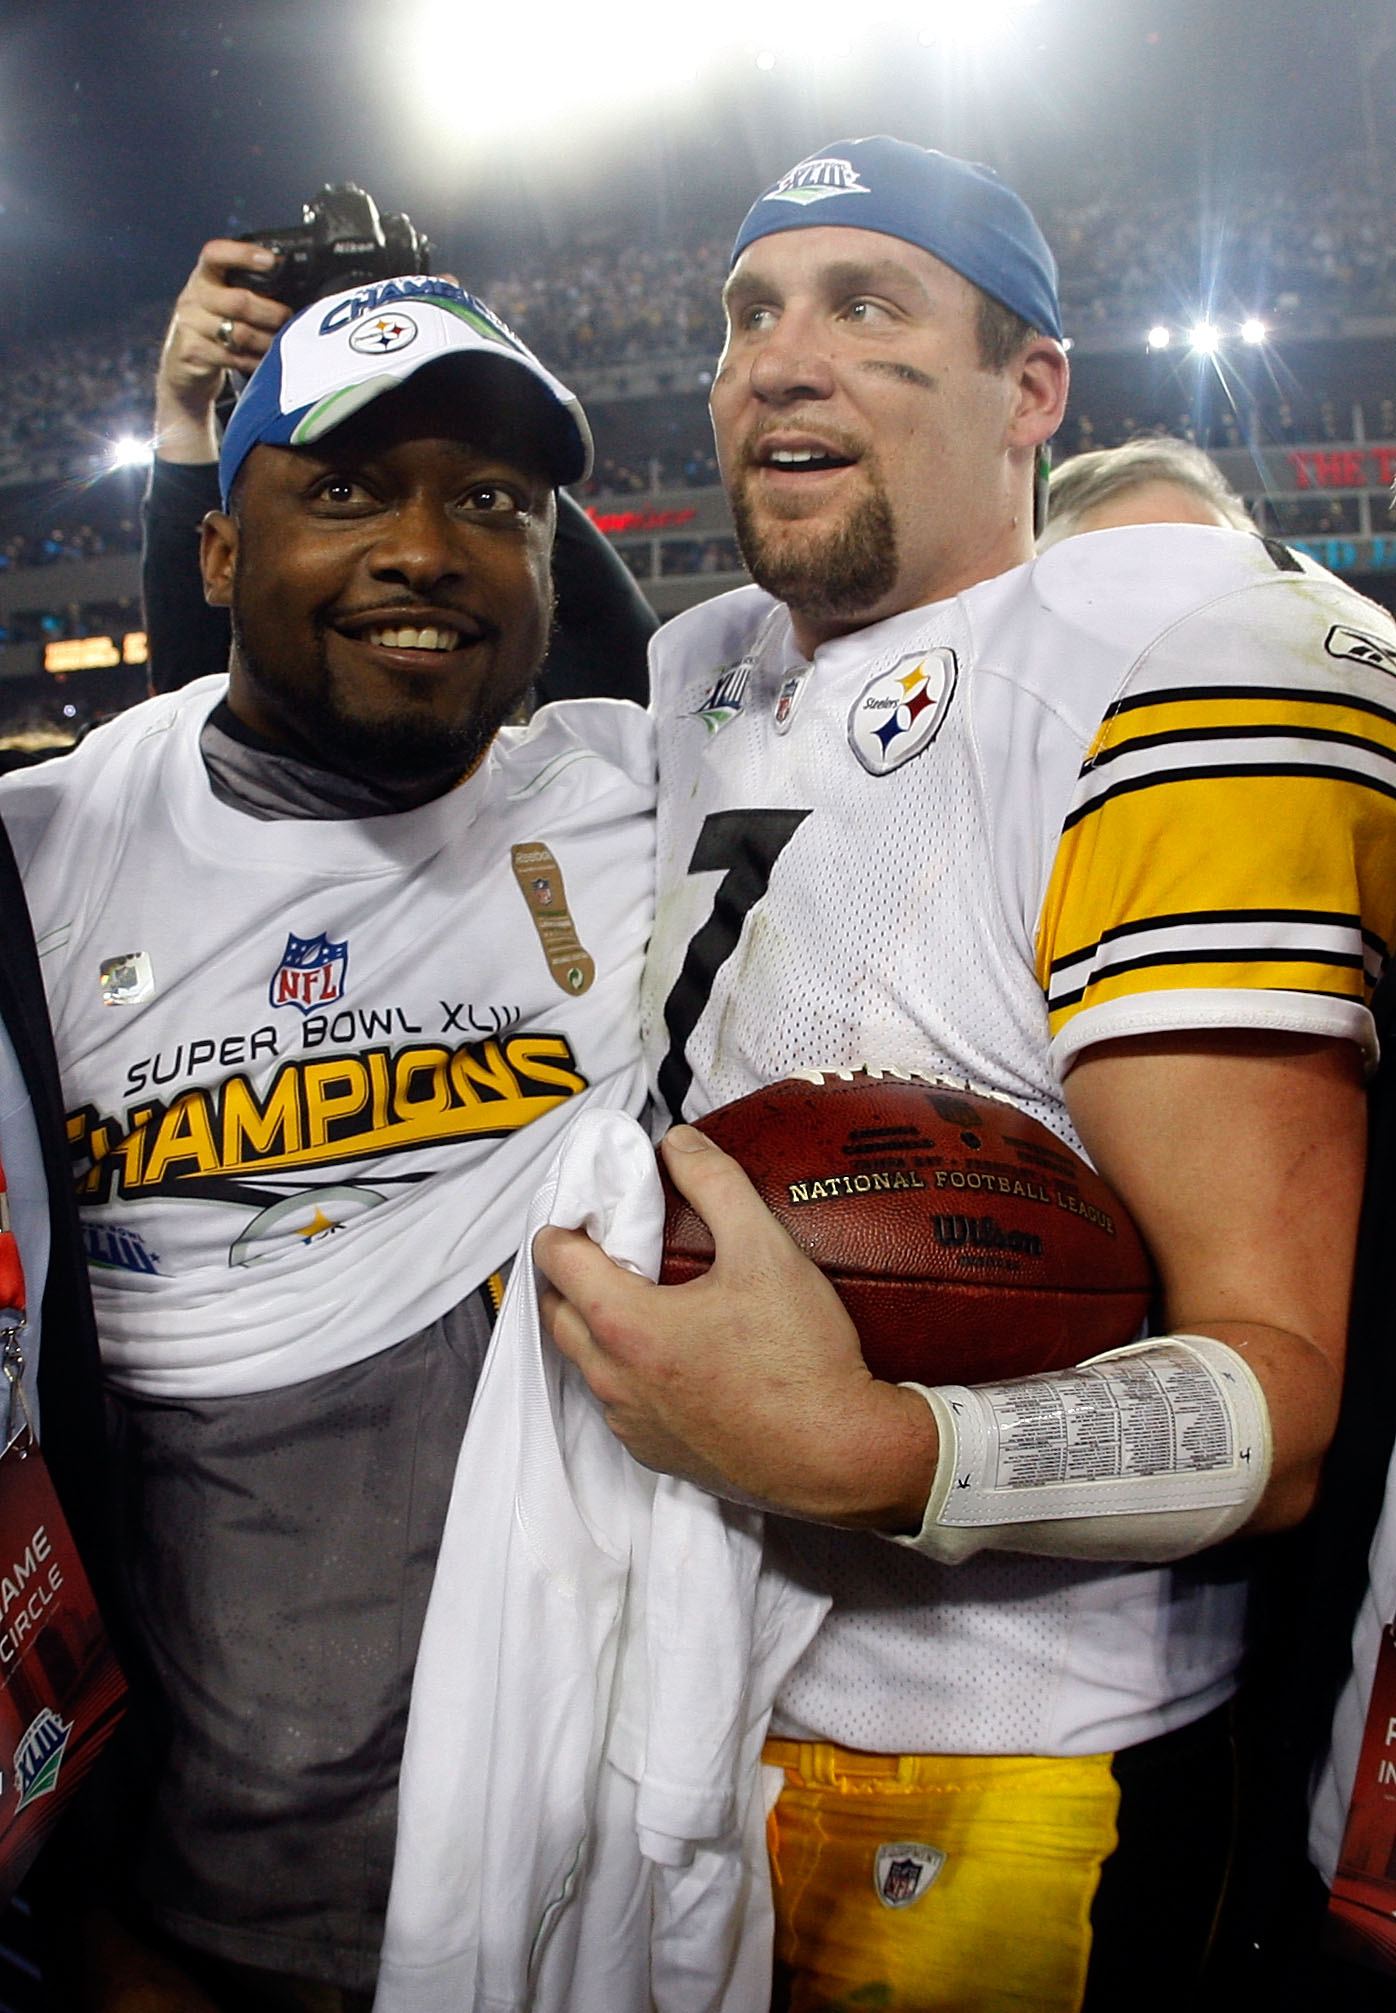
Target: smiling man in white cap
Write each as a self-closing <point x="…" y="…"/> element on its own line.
<point x="1108" y="835"/>
<point x="331" y="955"/>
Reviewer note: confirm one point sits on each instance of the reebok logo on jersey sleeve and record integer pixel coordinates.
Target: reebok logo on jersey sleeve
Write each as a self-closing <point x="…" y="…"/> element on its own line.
<point x="1360" y="648"/>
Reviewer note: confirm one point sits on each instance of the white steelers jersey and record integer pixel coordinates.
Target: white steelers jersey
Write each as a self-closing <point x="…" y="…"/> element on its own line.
<point x="1146" y="783"/>
<point x="314" y="1069"/>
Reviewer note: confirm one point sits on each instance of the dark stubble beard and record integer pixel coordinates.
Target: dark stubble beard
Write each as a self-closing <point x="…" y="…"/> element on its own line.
<point x="409" y="756"/>
<point x="826" y="572"/>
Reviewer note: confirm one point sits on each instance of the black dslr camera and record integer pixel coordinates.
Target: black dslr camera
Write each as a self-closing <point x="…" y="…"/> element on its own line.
<point x="341" y="242"/>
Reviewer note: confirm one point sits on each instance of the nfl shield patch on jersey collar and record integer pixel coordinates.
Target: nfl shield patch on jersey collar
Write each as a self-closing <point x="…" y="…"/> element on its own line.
<point x="900" y="712"/>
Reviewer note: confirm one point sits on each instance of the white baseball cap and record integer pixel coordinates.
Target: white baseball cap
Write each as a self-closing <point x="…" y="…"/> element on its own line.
<point x="341" y="352"/>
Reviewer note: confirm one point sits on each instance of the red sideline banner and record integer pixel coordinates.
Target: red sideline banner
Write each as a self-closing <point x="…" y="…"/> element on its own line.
<point x="1362" y="1909"/>
<point x="61" y="1692"/>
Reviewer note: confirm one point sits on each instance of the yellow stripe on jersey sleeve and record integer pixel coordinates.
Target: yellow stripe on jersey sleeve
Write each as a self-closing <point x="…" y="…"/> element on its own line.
<point x="1216" y="974"/>
<point x="1253" y="881"/>
<point x="1240" y="710"/>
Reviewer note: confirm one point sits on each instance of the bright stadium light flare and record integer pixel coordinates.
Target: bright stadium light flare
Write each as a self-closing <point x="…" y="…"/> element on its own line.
<point x="506" y="70"/>
<point x="494" y="71"/>
<point x="1253" y="330"/>
<point x="128" y="452"/>
<point x="1159" y="337"/>
<point x="1205" y="338"/>
<point x="963" y="24"/>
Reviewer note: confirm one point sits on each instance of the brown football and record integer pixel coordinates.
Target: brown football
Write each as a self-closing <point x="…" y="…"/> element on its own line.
<point x="966" y="1240"/>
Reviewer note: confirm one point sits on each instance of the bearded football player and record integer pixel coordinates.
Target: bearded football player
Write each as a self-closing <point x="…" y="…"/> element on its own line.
<point x="1101" y="833"/>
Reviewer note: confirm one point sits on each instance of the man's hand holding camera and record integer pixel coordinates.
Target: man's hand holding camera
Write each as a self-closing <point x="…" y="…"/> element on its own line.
<point x="215" y="328"/>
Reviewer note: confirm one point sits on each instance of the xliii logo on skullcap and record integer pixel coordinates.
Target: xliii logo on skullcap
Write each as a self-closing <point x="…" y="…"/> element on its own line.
<point x="812" y="181"/>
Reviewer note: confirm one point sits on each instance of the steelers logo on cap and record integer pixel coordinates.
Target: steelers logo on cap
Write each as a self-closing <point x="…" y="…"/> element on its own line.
<point x="383" y="334"/>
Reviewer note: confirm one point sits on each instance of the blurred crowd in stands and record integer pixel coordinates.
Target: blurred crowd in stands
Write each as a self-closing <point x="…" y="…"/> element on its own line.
<point x="1311" y="245"/>
<point x="1310" y="418"/>
<point x="618" y="306"/>
<point x="1313" y="241"/>
<point x="80" y="395"/>
<point x="1314" y="245"/>
<point x="691" y="468"/>
<point x="85" y="618"/>
<point x="67" y="541"/>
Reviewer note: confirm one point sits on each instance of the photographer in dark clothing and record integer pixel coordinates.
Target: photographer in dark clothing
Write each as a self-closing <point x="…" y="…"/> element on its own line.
<point x="603" y="623"/>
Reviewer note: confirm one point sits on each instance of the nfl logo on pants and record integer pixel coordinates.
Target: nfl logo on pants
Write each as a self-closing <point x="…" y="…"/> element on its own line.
<point x="902" y="1873"/>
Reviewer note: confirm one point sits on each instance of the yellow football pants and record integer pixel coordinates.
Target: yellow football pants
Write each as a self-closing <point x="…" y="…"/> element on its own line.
<point x="870" y="1918"/>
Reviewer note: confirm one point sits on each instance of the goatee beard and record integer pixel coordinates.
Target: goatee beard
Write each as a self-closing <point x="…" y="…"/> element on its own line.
<point x="828" y="571"/>
<point x="407" y="756"/>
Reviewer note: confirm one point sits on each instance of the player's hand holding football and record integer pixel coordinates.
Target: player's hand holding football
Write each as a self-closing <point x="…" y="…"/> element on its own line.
<point x="749" y="1380"/>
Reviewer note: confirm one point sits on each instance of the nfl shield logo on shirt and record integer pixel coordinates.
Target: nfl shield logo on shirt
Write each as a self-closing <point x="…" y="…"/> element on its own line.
<point x="902" y="1873"/>
<point x="311" y="973"/>
<point x="902" y="710"/>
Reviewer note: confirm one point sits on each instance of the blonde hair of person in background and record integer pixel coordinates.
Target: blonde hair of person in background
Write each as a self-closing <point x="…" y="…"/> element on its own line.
<point x="1153" y="479"/>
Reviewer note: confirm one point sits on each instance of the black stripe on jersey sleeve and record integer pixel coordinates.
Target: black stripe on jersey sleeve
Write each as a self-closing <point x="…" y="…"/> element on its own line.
<point x="1223" y="955"/>
<point x="1275" y="731"/>
<point x="1202" y="773"/>
<point x="1320" y="918"/>
<point x="1291" y="695"/>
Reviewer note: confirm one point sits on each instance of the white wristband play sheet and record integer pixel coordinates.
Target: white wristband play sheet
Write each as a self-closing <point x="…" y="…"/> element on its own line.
<point x="1146" y="1453"/>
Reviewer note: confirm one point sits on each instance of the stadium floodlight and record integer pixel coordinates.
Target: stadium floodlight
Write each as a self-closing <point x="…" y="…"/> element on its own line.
<point x="514" y="71"/>
<point x="1253" y="330"/>
<point x="511" y="71"/>
<point x="128" y="452"/>
<point x="965" y="23"/>
<point x="1158" y="337"/>
<point x="1205" y="338"/>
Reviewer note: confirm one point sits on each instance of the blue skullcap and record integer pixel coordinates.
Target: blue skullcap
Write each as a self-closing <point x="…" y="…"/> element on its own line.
<point x="341" y="352"/>
<point x="957" y="210"/>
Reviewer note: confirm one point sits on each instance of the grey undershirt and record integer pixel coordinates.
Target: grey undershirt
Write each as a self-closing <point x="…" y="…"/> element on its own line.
<point x="266" y="783"/>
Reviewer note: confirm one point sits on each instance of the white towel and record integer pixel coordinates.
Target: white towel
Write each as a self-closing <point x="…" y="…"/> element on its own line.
<point x="582" y="1806"/>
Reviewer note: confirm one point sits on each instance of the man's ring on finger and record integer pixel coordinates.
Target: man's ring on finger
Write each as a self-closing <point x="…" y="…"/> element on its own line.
<point x="224" y="333"/>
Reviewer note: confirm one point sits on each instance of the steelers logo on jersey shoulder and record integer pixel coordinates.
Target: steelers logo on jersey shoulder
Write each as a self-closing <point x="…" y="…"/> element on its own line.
<point x="900" y="711"/>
